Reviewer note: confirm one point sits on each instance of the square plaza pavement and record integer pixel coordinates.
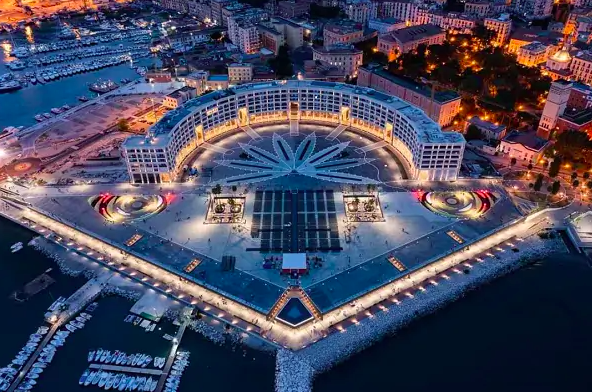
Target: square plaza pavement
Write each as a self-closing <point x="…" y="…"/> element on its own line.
<point x="173" y="238"/>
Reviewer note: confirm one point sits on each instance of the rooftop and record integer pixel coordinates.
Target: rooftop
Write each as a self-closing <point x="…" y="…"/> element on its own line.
<point x="578" y="117"/>
<point x="491" y="127"/>
<point x="344" y="26"/>
<point x="534" y="46"/>
<point x="413" y="33"/>
<point x="533" y="34"/>
<point x="527" y="139"/>
<point x="178" y="93"/>
<point x="439" y="96"/>
<point x="337" y="49"/>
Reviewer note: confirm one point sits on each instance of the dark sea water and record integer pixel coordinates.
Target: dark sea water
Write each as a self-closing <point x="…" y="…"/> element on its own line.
<point x="529" y="331"/>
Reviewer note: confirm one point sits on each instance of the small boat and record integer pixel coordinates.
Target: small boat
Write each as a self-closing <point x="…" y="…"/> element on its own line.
<point x="110" y="382"/>
<point x="89" y="379"/>
<point x="90" y="356"/>
<point x="39" y="365"/>
<point x="84" y="376"/>
<point x="83" y="99"/>
<point x="36" y="370"/>
<point x="81" y="319"/>
<point x="39" y="118"/>
<point x="16" y="245"/>
<point x="122" y="383"/>
<point x="103" y="379"/>
<point x="85" y="315"/>
<point x="137" y="321"/>
<point x="70" y="328"/>
<point x="98" y="354"/>
<point x="135" y="360"/>
<point x="66" y="107"/>
<point x="96" y="379"/>
<point x="104" y="355"/>
<point x="120" y="358"/>
<point x="56" y="110"/>
<point x="17" y="249"/>
<point x="47" y="115"/>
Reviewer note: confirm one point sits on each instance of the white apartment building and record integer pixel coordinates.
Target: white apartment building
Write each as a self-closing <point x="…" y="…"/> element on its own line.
<point x="240" y="73"/>
<point x="405" y="10"/>
<point x="555" y="105"/>
<point x="361" y="10"/>
<point x="533" y="9"/>
<point x="345" y="58"/>
<point x="502" y="26"/>
<point x="419" y="143"/>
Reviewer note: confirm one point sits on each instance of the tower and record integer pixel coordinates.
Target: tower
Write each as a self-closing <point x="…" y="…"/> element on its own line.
<point x="554" y="107"/>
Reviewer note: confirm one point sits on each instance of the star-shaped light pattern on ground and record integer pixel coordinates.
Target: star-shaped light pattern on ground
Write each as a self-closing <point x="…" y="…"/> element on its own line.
<point x="265" y="165"/>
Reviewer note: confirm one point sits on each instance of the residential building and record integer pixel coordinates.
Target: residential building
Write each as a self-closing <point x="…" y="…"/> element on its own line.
<point x="293" y="8"/>
<point x="523" y="36"/>
<point x="178" y="97"/>
<point x="342" y="32"/>
<point x="216" y="10"/>
<point x="345" y="57"/>
<point x="502" y="26"/>
<point x="479" y="8"/>
<point x="386" y="25"/>
<point x="361" y="10"/>
<point x="426" y="152"/>
<point x="321" y="71"/>
<point x="217" y="82"/>
<point x="442" y="109"/>
<point x="452" y="21"/>
<point x="270" y="38"/>
<point x="405" y="10"/>
<point x="201" y="9"/>
<point x="232" y="10"/>
<point x="488" y="129"/>
<point x="533" y="9"/>
<point x="408" y="39"/>
<point x="175" y="5"/>
<point x="574" y="120"/>
<point x="240" y="73"/>
<point x="198" y="80"/>
<point x="292" y="32"/>
<point x="581" y="66"/>
<point x="524" y="146"/>
<point x="534" y="54"/>
<point x="243" y="30"/>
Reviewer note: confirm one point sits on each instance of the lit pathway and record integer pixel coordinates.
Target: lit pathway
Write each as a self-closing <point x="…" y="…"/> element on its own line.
<point x="251" y="132"/>
<point x="372" y="146"/>
<point x="34" y="357"/>
<point x="294" y="128"/>
<point x="336" y="132"/>
<point x="172" y="354"/>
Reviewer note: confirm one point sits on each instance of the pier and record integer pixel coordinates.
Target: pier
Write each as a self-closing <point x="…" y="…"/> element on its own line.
<point x="83" y="296"/>
<point x="23" y="372"/>
<point x="126" y="369"/>
<point x="171" y="357"/>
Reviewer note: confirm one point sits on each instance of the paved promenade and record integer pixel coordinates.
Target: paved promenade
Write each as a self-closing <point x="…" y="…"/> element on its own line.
<point x="171" y="357"/>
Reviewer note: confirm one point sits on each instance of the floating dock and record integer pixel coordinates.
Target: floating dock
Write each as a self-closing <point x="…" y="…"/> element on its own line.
<point x="125" y="369"/>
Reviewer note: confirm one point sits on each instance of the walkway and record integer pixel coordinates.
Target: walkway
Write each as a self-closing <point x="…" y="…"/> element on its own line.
<point x="84" y="295"/>
<point x="34" y="357"/>
<point x="251" y="132"/>
<point x="126" y="369"/>
<point x="172" y="354"/>
<point x="336" y="132"/>
<point x="214" y="148"/>
<point x="372" y="146"/>
<point x="293" y="127"/>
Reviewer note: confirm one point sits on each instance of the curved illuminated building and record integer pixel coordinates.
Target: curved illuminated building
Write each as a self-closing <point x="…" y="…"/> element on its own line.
<point x="426" y="152"/>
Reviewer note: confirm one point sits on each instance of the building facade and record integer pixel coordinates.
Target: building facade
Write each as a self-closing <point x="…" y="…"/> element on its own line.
<point x="344" y="32"/>
<point x="345" y="58"/>
<point x="502" y="26"/>
<point x="240" y="73"/>
<point x="425" y="151"/>
<point x="361" y="10"/>
<point x="442" y="109"/>
<point x="386" y="25"/>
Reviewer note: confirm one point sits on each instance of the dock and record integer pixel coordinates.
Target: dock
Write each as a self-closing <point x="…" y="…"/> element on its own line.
<point x="172" y="354"/>
<point x="23" y="372"/>
<point x="126" y="369"/>
<point x="83" y="296"/>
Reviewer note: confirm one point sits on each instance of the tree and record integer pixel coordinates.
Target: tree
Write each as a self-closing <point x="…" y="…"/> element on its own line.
<point x="554" y="167"/>
<point x="574" y="175"/>
<point x="589" y="184"/>
<point x="216" y="36"/>
<point x="574" y="145"/>
<point x="217" y="189"/>
<point x="530" y="166"/>
<point x="538" y="184"/>
<point x="555" y="187"/>
<point x="123" y="125"/>
<point x="319" y="12"/>
<point x="234" y="188"/>
<point x="586" y="175"/>
<point x="473" y="133"/>
<point x="282" y="64"/>
<point x="575" y="183"/>
<point x="513" y="161"/>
